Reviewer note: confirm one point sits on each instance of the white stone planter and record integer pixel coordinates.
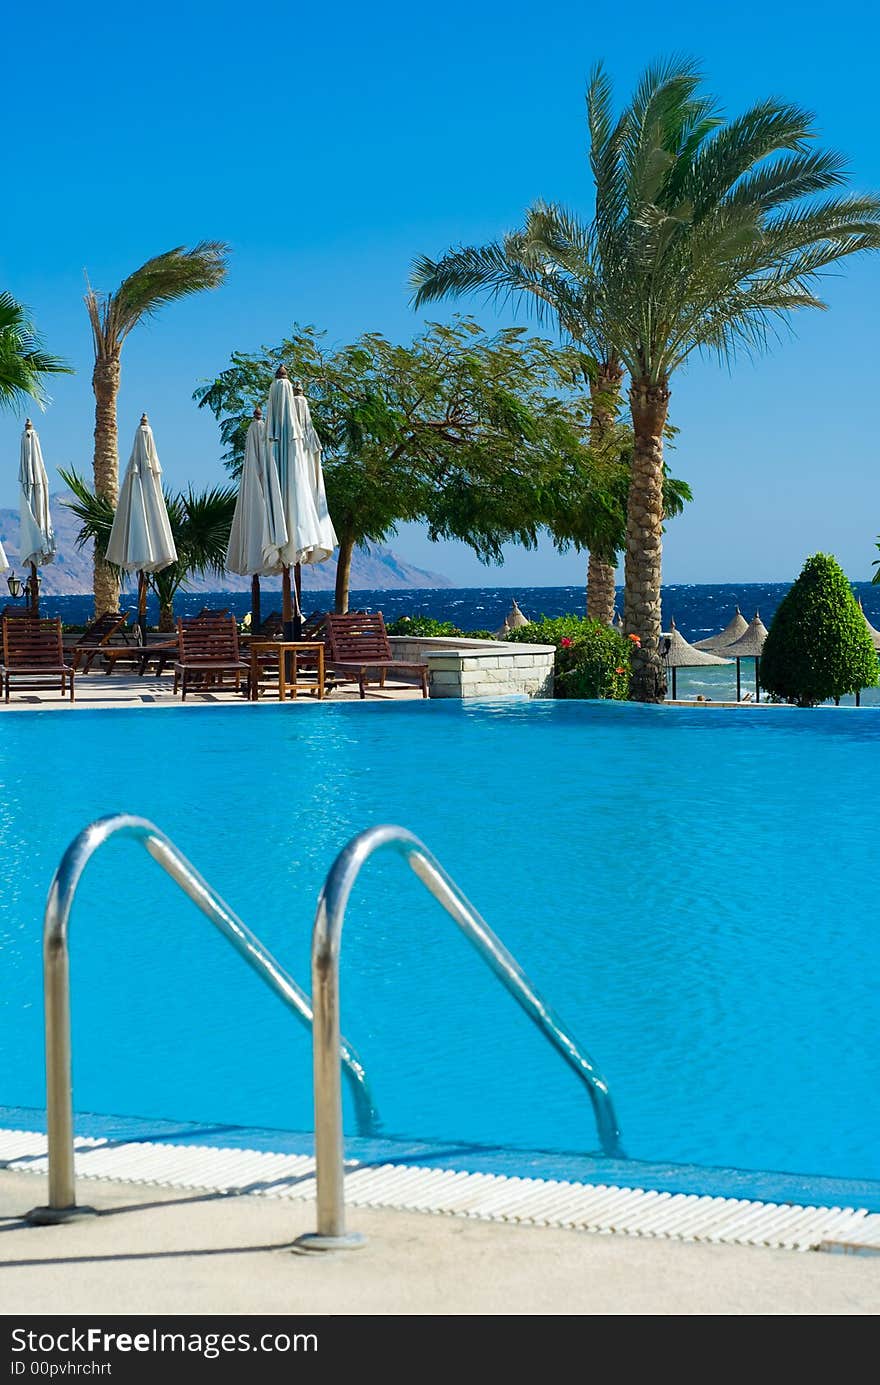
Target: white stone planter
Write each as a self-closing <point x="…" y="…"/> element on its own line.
<point x="459" y="667"/>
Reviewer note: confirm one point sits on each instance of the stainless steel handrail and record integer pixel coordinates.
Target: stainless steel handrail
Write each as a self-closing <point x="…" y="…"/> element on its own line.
<point x="326" y="942"/>
<point x="56" y="984"/>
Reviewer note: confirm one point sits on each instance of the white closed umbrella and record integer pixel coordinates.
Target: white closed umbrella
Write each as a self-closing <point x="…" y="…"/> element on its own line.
<point x="312" y="445"/>
<point x="140" y="538"/>
<point x="258" y="531"/>
<point x="4" y="561"/>
<point x="286" y="444"/>
<point x="37" y="545"/>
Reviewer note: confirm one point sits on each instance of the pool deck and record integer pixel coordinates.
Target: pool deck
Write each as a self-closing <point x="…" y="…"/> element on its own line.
<point x="98" y="690"/>
<point x="158" y="1250"/>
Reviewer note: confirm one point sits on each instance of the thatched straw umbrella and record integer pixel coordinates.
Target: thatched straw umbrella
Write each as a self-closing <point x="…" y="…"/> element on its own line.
<point x="749" y="646"/>
<point x="679" y="654"/>
<point x="514" y="620"/>
<point x="717" y="644"/>
<point x="875" y="634"/>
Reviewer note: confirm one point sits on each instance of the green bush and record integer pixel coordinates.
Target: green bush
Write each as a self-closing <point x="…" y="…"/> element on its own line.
<point x="551" y="630"/>
<point x="592" y="659"/>
<point x="818" y="646"/>
<point x="427" y="626"/>
<point x="422" y="625"/>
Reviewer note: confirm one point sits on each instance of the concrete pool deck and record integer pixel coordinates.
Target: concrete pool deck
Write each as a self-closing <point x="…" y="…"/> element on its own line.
<point x="98" y="691"/>
<point x="158" y="1250"/>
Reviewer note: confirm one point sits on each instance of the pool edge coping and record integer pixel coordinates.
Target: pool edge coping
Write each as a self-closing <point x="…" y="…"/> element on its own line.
<point x="604" y="1209"/>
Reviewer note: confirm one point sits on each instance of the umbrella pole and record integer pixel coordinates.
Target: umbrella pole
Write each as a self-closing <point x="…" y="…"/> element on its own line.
<point x="286" y="604"/>
<point x="35" y="590"/>
<point x="674" y="690"/>
<point x="256" y="613"/>
<point x="287" y="621"/>
<point x="738" y="686"/>
<point x="297" y="612"/>
<point x="142" y="605"/>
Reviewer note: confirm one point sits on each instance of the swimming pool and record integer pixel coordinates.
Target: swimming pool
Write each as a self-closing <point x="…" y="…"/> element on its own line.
<point x="692" y="890"/>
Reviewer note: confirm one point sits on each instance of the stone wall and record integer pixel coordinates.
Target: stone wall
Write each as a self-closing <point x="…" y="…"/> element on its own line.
<point x="479" y="668"/>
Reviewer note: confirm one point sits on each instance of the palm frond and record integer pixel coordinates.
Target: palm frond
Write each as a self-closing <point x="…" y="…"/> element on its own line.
<point x="164" y="279"/>
<point x="24" y="362"/>
<point x="94" y="512"/>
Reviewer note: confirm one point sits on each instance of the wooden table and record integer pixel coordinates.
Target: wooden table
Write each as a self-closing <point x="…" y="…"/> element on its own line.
<point x="287" y="651"/>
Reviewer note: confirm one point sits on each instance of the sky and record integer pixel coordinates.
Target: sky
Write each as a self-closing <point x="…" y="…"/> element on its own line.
<point x="329" y="145"/>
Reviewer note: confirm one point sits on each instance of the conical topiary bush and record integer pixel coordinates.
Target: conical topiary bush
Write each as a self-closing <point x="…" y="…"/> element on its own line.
<point x="818" y="646"/>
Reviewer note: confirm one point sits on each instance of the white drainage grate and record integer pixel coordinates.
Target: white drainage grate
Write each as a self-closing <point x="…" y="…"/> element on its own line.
<point x="485" y="1196"/>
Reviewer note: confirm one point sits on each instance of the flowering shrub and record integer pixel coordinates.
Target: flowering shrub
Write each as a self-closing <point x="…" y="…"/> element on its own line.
<point x="592" y="659"/>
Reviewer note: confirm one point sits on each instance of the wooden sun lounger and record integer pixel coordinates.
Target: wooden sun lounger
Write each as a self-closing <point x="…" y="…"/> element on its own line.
<point x="358" y="644"/>
<point x="208" y="650"/>
<point x="95" y="636"/>
<point x="140" y="656"/>
<point x="33" y="649"/>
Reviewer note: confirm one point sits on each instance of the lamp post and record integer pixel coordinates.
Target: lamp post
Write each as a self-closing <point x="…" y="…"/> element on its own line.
<point x="29" y="589"/>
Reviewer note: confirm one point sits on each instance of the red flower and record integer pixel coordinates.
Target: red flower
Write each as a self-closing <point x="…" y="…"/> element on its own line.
<point x="636" y="639"/>
<point x="565" y="642"/>
<point x="619" y="670"/>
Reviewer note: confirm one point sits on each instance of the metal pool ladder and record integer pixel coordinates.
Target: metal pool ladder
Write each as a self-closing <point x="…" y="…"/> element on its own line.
<point x="326" y="943"/>
<point x="56" y="984"/>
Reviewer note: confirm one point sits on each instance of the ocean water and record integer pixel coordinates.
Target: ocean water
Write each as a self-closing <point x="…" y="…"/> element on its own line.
<point x="698" y="610"/>
<point x="694" y="894"/>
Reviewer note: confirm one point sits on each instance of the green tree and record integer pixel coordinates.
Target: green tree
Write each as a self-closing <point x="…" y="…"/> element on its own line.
<point x="164" y="279"/>
<point x="707" y="234"/>
<point x="200" y="523"/>
<point x="818" y="646"/>
<point x="531" y="264"/>
<point x="477" y="434"/>
<point x="24" y="362"/>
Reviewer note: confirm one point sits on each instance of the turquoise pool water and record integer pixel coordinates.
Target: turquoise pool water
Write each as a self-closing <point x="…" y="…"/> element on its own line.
<point x="694" y="891"/>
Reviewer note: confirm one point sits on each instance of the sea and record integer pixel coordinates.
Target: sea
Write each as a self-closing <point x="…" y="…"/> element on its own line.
<point x="698" y="609"/>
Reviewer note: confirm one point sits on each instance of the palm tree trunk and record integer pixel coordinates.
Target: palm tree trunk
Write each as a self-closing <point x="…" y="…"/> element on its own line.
<point x="644" y="526"/>
<point x="166" y="617"/>
<point x="600" y="589"/>
<point x="343" y="574"/>
<point x="105" y="383"/>
<point x="604" y="395"/>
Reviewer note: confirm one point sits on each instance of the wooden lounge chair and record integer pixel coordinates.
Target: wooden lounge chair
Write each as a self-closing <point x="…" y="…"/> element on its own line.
<point x="140" y="656"/>
<point x="207" y="651"/>
<point x="33" y="649"/>
<point x="96" y="635"/>
<point x="358" y="643"/>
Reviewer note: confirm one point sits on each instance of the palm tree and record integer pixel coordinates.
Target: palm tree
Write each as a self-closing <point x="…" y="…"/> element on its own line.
<point x="707" y="234"/>
<point x="535" y="264"/>
<point x="23" y="361"/>
<point x="200" y="524"/>
<point x="164" y="279"/>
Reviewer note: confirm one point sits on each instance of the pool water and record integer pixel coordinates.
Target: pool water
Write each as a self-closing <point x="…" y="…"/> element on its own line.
<point x="694" y="891"/>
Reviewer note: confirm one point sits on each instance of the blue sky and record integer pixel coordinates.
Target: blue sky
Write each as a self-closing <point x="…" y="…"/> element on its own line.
<point x="329" y="144"/>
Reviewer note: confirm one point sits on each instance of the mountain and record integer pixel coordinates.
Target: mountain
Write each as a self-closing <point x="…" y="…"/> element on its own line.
<point x="374" y="567"/>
